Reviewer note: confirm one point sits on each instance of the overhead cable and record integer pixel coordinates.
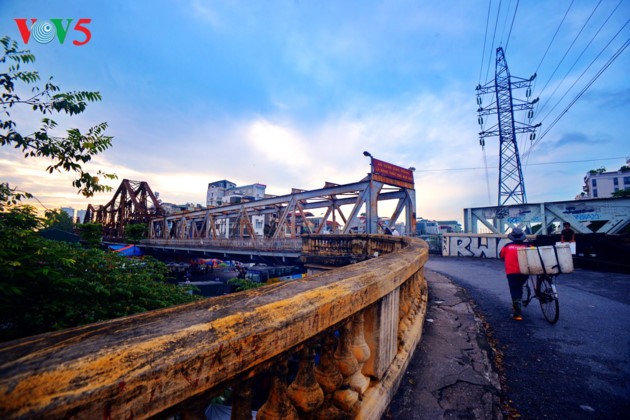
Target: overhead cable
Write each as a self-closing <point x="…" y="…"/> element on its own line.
<point x="599" y="73"/>
<point x="582" y="53"/>
<point x="485" y="39"/>
<point x="511" y="26"/>
<point x="563" y="57"/>
<point x="554" y="36"/>
<point x="496" y="22"/>
<point x="532" y="164"/>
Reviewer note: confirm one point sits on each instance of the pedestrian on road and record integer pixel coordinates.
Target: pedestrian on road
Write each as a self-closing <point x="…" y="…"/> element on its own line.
<point x="516" y="280"/>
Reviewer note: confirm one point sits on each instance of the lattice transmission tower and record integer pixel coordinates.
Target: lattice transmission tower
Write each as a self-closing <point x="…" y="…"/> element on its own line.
<point x="504" y="105"/>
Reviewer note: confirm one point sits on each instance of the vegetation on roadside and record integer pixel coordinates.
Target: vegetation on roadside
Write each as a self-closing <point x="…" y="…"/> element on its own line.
<point x="244" y="284"/>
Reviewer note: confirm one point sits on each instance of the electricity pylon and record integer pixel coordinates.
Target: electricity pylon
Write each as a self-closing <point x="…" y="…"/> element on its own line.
<point x="511" y="184"/>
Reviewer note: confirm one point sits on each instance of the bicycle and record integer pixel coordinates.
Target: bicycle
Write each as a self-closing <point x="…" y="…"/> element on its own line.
<point x="545" y="291"/>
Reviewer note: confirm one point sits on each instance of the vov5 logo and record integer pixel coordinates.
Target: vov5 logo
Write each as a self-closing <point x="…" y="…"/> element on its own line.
<point x="44" y="31"/>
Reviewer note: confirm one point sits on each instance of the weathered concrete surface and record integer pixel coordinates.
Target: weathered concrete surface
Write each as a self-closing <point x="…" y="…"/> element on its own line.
<point x="451" y="374"/>
<point x="141" y="365"/>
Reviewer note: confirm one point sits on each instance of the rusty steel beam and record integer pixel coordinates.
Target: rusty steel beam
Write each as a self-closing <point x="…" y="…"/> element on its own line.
<point x="133" y="202"/>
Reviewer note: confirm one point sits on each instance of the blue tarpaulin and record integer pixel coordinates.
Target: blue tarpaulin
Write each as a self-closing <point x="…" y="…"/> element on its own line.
<point x="127" y="250"/>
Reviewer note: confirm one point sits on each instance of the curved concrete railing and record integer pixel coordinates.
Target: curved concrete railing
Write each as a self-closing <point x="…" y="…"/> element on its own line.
<point x="360" y="322"/>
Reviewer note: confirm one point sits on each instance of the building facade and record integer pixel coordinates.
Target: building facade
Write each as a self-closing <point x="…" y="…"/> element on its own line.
<point x="604" y="184"/>
<point x="216" y="192"/>
<point x="224" y="192"/>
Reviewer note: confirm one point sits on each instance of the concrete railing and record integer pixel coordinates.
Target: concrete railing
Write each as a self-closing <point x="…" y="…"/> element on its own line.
<point x="360" y="322"/>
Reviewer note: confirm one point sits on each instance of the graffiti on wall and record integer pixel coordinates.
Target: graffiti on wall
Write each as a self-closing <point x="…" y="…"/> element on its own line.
<point x="487" y="246"/>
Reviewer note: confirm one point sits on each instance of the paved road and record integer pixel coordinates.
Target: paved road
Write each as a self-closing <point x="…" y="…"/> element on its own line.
<point x="577" y="368"/>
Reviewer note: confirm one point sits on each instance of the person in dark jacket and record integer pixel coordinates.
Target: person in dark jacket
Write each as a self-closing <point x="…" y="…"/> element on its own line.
<point x="516" y="280"/>
<point x="567" y="234"/>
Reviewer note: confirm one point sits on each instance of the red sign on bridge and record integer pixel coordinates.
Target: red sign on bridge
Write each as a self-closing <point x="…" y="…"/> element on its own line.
<point x="392" y="174"/>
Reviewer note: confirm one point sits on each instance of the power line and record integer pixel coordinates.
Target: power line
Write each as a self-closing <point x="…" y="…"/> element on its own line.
<point x="579" y="95"/>
<point x="532" y="164"/>
<point x="562" y="59"/>
<point x="507" y="13"/>
<point x="512" y="25"/>
<point x="485" y="39"/>
<point x="496" y="24"/>
<point x="577" y="59"/>
<point x="554" y="36"/>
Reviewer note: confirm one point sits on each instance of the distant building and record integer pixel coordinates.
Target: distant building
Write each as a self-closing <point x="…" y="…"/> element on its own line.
<point x="170" y="208"/>
<point x="81" y="216"/>
<point x="216" y="192"/>
<point x="69" y="211"/>
<point x="449" y="226"/>
<point x="603" y="184"/>
<point x="427" y="227"/>
<point x="225" y="192"/>
<point x="331" y="226"/>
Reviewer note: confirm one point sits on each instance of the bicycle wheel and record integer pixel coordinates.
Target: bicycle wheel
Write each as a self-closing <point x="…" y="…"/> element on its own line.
<point x="527" y="293"/>
<point x="548" y="298"/>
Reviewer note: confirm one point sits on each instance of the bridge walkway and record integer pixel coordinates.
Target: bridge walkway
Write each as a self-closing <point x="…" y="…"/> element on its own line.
<point x="451" y="374"/>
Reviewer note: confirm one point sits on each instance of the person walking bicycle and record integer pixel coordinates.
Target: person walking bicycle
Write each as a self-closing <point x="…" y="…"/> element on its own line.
<point x="516" y="280"/>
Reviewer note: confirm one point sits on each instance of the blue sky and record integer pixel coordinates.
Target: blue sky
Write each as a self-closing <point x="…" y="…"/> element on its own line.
<point x="290" y="93"/>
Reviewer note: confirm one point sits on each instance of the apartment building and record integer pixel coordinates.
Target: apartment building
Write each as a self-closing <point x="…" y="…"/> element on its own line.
<point x="599" y="184"/>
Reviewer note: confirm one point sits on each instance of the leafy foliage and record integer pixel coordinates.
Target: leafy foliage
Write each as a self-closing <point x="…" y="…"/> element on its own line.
<point x="625" y="193"/>
<point x="244" y="284"/>
<point x="67" y="153"/>
<point x="135" y="232"/>
<point x="59" y="219"/>
<point x="91" y="234"/>
<point x="10" y="196"/>
<point x="50" y="285"/>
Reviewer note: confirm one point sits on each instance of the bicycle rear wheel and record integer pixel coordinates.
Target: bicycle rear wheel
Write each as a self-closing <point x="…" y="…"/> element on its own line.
<point x="527" y="293"/>
<point x="548" y="298"/>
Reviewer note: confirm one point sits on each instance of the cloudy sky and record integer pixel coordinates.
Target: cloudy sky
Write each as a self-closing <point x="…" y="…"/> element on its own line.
<point x="290" y="93"/>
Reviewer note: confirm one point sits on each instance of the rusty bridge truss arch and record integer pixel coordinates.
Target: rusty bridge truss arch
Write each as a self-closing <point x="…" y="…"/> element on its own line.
<point x="133" y="202"/>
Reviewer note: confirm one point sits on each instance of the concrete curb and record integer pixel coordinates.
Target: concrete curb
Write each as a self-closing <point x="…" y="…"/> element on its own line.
<point x="451" y="374"/>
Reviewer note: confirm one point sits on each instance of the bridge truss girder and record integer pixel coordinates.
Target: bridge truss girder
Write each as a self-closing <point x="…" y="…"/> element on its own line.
<point x="612" y="215"/>
<point x="133" y="202"/>
<point x="283" y="211"/>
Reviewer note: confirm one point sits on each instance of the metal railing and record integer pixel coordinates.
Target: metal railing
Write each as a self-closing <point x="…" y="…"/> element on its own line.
<point x="332" y="345"/>
<point x="259" y="244"/>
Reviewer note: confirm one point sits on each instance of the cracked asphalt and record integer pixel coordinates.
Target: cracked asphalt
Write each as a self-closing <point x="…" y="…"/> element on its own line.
<point x="578" y="368"/>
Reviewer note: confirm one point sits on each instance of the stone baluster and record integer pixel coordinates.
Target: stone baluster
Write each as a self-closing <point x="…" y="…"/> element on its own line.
<point x="242" y="401"/>
<point x="329" y="378"/>
<point x="405" y="308"/>
<point x="361" y="352"/>
<point x="346" y="398"/>
<point x="304" y="392"/>
<point x="278" y="406"/>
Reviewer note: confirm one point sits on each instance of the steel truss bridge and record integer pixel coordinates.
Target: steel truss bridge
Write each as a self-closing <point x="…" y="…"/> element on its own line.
<point x="602" y="215"/>
<point x="349" y="208"/>
<point x="284" y="217"/>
